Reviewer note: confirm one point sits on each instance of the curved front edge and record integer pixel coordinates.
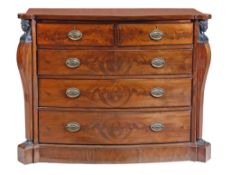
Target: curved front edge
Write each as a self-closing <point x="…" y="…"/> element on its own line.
<point x="203" y="62"/>
<point x="24" y="61"/>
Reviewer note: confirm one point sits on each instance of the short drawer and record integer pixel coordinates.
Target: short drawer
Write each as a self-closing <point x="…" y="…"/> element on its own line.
<point x="155" y="34"/>
<point x="96" y="62"/>
<point x="113" y="127"/>
<point x="75" y="34"/>
<point x="120" y="93"/>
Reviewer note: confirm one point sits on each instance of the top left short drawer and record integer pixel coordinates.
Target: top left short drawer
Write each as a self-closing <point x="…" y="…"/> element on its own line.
<point x="75" y="34"/>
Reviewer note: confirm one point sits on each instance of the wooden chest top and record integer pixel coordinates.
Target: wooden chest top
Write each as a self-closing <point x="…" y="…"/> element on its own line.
<point x="114" y="14"/>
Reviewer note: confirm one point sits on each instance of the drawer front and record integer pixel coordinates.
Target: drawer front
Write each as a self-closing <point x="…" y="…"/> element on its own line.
<point x="120" y="93"/>
<point x="95" y="62"/>
<point x="113" y="127"/>
<point x="76" y="34"/>
<point x="155" y="34"/>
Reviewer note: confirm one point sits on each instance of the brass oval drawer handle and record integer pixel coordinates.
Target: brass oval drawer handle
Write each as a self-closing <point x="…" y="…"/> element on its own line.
<point x="157" y="127"/>
<point x="73" y="92"/>
<point x="72" y="62"/>
<point x="156" y="34"/>
<point x="158" y="62"/>
<point x="75" y="35"/>
<point x="157" y="92"/>
<point x="72" y="127"/>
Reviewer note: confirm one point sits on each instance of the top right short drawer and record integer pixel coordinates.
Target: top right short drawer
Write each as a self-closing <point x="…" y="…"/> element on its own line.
<point x="155" y="34"/>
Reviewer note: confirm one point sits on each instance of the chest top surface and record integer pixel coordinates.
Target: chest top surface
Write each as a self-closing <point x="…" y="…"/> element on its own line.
<point x="117" y="14"/>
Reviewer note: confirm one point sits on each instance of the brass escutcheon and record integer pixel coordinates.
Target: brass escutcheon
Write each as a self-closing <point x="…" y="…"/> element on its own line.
<point x="158" y="62"/>
<point x="156" y="34"/>
<point x="72" y="127"/>
<point x="157" y="92"/>
<point x="73" y="92"/>
<point x="72" y="62"/>
<point x="75" y="35"/>
<point x="157" y="127"/>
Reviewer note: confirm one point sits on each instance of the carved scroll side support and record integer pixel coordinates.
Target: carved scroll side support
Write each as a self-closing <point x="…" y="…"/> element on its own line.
<point x="203" y="62"/>
<point x="24" y="61"/>
<point x="204" y="56"/>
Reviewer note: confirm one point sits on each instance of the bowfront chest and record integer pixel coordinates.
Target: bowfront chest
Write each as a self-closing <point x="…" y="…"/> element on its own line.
<point x="113" y="85"/>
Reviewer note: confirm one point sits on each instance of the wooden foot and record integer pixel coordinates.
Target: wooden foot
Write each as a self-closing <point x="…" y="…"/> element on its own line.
<point x="203" y="150"/>
<point x="26" y="152"/>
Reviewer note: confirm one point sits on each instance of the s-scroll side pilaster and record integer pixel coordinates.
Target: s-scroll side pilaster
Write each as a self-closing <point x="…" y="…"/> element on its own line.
<point x="203" y="62"/>
<point x="24" y="61"/>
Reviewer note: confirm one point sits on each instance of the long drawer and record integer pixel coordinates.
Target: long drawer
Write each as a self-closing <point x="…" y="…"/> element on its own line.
<point x="116" y="93"/>
<point x="113" y="127"/>
<point x="109" y="62"/>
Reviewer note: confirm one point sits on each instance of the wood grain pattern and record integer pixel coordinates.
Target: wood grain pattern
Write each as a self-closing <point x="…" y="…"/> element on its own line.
<point x="109" y="62"/>
<point x="93" y="34"/>
<point x="24" y="61"/>
<point x="124" y="93"/>
<point x="138" y="34"/>
<point x="114" y="127"/>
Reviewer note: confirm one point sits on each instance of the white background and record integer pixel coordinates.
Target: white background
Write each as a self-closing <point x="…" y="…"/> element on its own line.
<point x="217" y="93"/>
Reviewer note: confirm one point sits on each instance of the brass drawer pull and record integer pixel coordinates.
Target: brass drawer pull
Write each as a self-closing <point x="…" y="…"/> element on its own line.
<point x="158" y="62"/>
<point x="75" y="35"/>
<point x="72" y="62"/>
<point x="156" y="34"/>
<point x="157" y="92"/>
<point x="73" y="92"/>
<point x="157" y="127"/>
<point x="72" y="127"/>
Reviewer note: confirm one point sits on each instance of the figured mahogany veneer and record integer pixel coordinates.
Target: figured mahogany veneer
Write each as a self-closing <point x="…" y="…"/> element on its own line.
<point x="125" y="93"/>
<point x="111" y="62"/>
<point x="114" y="127"/>
<point x="93" y="34"/>
<point x="113" y="85"/>
<point x="138" y="34"/>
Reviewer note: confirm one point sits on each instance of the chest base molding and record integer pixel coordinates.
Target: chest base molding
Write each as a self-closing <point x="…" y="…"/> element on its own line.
<point x="30" y="153"/>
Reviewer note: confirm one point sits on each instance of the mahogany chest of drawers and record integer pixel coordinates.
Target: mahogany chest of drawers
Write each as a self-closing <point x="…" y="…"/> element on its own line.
<point x="113" y="85"/>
